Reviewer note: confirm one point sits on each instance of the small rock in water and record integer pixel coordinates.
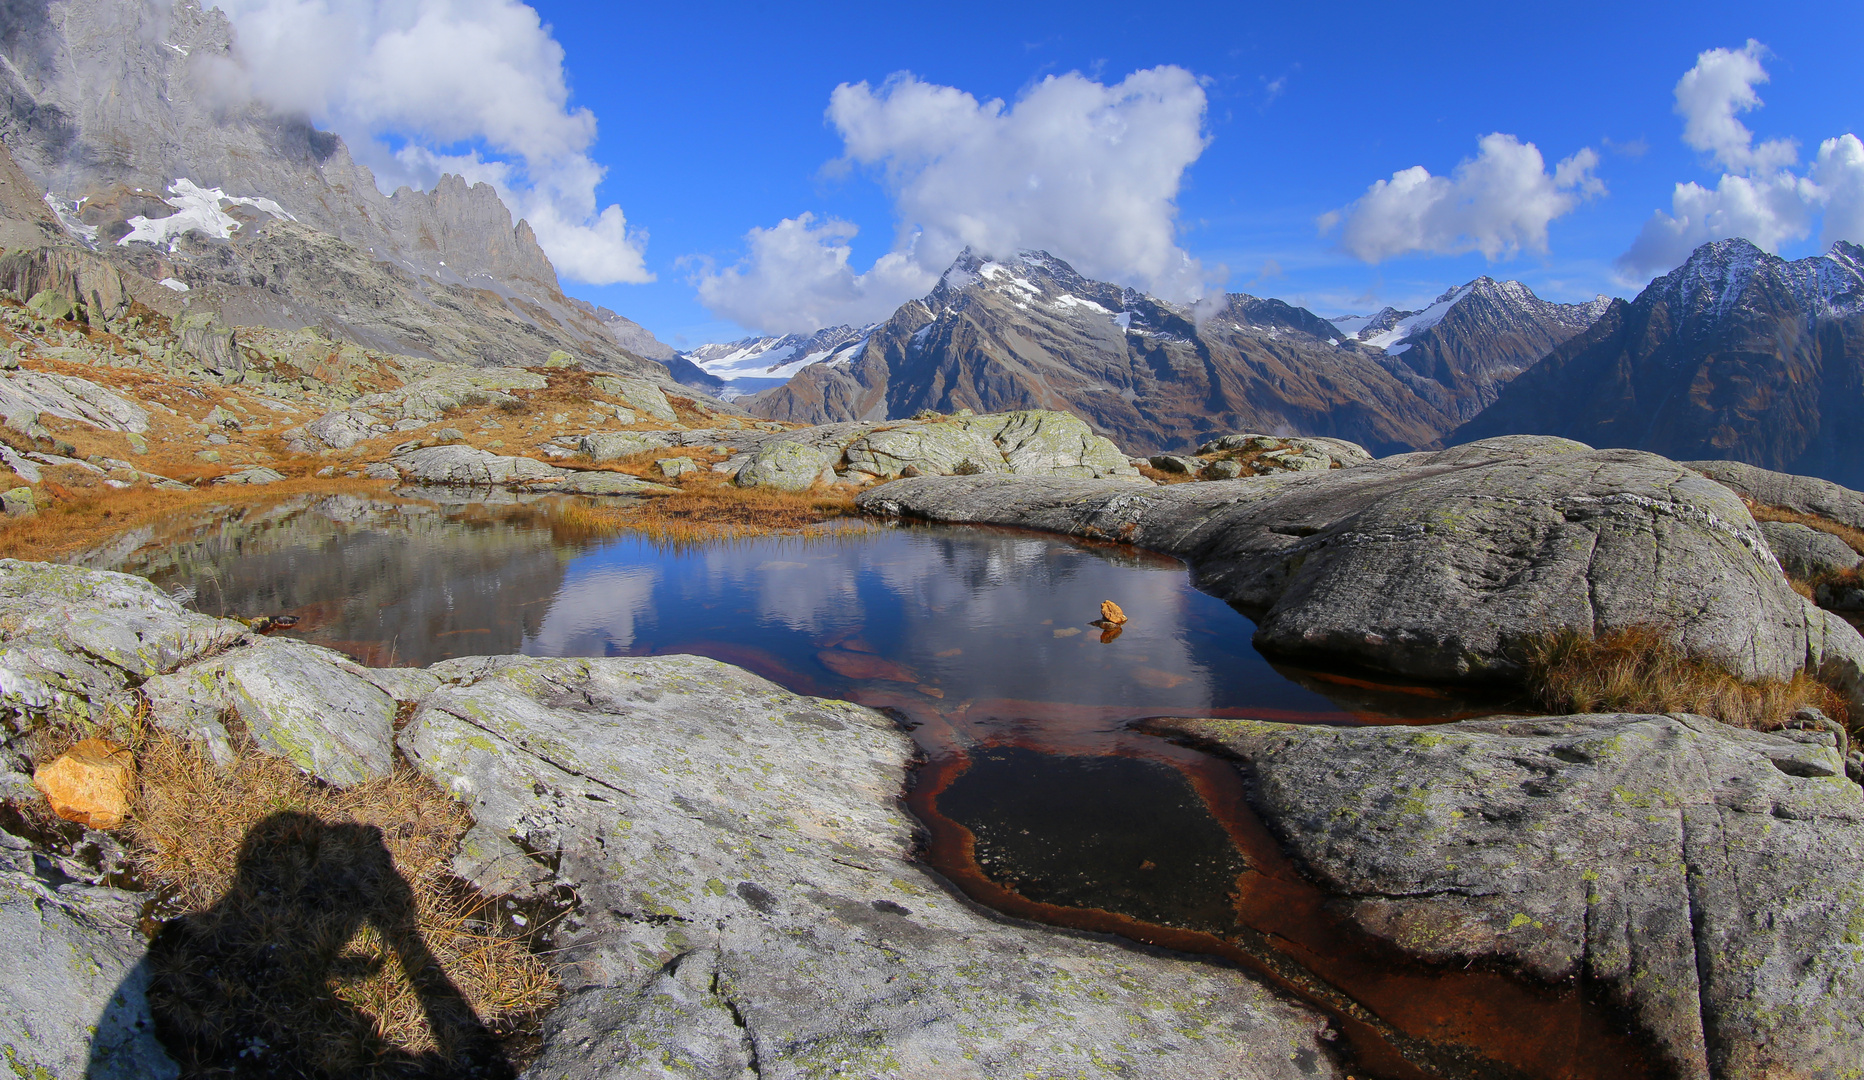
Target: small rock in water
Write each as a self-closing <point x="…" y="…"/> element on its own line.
<point x="88" y="784"/>
<point x="1110" y="613"/>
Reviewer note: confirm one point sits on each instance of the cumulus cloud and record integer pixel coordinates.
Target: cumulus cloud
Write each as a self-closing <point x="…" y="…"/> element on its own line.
<point x="1087" y="171"/>
<point x="795" y="279"/>
<point x="430" y="76"/>
<point x="1711" y="94"/>
<point x="1759" y="196"/>
<point x="1499" y="203"/>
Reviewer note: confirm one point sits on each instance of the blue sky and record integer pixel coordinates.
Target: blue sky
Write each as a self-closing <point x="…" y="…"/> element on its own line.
<point x="710" y="121"/>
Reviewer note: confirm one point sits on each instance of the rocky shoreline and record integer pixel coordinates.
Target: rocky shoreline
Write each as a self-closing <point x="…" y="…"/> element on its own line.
<point x="747" y="895"/>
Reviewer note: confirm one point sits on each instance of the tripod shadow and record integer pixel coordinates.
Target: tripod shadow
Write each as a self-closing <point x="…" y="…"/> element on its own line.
<point x="252" y="987"/>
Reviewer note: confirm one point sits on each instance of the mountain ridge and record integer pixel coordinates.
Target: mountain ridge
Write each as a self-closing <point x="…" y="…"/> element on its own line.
<point x="1032" y="332"/>
<point x="1737" y="354"/>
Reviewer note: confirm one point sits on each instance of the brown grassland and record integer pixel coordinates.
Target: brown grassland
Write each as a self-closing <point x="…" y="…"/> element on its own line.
<point x="1637" y="670"/>
<point x="322" y="922"/>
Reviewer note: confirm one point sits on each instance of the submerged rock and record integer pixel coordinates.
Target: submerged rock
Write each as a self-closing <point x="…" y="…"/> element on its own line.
<point x="749" y="898"/>
<point x="1444" y="566"/>
<point x="1709" y="880"/>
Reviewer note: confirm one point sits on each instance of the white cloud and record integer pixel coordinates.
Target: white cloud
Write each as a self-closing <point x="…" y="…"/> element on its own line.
<point x="795" y="279"/>
<point x="437" y="74"/>
<point x="1839" y="172"/>
<point x="1086" y="171"/>
<point x="1709" y="96"/>
<point x="1498" y="203"/>
<point x="1759" y="197"/>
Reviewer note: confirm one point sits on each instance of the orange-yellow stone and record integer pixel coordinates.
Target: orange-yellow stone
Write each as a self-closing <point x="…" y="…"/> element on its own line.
<point x="88" y="784"/>
<point x="1110" y="613"/>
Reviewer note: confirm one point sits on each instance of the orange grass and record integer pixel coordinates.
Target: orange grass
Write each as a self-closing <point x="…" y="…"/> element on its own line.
<point x="322" y="923"/>
<point x="1637" y="670"/>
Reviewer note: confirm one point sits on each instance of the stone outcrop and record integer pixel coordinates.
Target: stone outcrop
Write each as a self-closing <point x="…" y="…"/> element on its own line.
<point x="76" y="641"/>
<point x="24" y="395"/>
<point x="749" y="903"/>
<point x="466" y="466"/>
<point x="306" y="704"/>
<point x="1710" y="881"/>
<point x="1806" y="494"/>
<point x="1805" y="552"/>
<point x="1443" y="566"/>
<point x="73" y="993"/>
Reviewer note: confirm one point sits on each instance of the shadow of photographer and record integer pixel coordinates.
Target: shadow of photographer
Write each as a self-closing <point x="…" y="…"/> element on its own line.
<point x="266" y="982"/>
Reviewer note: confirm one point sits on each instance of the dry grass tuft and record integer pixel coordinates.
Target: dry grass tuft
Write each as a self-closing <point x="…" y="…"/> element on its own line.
<point x="1849" y="535"/>
<point x="324" y="934"/>
<point x="1637" y="670"/>
<point x="704" y="512"/>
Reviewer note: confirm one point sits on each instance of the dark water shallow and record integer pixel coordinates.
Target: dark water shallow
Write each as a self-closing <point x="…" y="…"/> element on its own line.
<point x="1039" y="795"/>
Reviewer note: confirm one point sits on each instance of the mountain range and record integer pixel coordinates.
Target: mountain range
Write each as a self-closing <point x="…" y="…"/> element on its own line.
<point x="1030" y="332"/>
<point x="1736" y="354"/>
<point x="118" y="146"/>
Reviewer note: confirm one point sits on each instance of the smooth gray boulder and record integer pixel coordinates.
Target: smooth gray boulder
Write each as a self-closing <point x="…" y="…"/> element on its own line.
<point x="1041" y="443"/>
<point x="640" y="394"/>
<point x="1805" y="552"/>
<point x="603" y="482"/>
<point x="605" y="446"/>
<point x="788" y="465"/>
<point x="1806" y="494"/>
<point x="1334" y="451"/>
<point x="432" y="397"/>
<point x="466" y="466"/>
<point x="24" y="395"/>
<point x="342" y="430"/>
<point x="750" y="899"/>
<point x="256" y="475"/>
<point x="1708" y="880"/>
<point x="309" y="705"/>
<point x="1444" y="566"/>
<point x="926" y="450"/>
<point x="73" y="992"/>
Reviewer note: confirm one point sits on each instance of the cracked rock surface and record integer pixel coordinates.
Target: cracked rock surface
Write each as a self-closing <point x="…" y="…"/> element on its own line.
<point x="748" y="906"/>
<point x="1442" y="566"/>
<point x="1709" y="879"/>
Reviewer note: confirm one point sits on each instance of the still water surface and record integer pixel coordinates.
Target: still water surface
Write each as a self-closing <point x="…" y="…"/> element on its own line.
<point x="1039" y="795"/>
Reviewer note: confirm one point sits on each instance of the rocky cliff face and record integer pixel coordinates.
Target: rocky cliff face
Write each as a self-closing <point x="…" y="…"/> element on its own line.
<point x="1030" y="332"/>
<point x="1460" y="351"/>
<point x="1737" y="354"/>
<point x="120" y="110"/>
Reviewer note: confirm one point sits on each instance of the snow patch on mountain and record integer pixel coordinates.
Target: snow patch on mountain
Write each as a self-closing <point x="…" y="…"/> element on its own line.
<point x="197" y="209"/>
